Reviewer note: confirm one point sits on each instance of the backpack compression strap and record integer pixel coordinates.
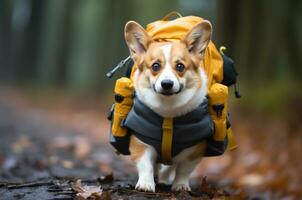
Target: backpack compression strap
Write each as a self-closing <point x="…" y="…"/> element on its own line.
<point x="166" y="145"/>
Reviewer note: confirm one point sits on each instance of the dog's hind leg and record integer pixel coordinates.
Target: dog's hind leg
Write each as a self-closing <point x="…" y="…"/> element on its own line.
<point x="165" y="174"/>
<point x="185" y="162"/>
<point x="182" y="175"/>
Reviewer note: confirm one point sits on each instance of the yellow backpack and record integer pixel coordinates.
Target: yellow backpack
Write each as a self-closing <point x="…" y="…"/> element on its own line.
<point x="218" y="67"/>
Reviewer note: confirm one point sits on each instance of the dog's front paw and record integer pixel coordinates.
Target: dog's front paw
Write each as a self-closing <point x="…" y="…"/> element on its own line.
<point x="181" y="187"/>
<point x="146" y="186"/>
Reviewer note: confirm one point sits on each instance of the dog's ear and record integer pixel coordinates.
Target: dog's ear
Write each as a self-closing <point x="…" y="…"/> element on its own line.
<point x="198" y="38"/>
<point x="137" y="39"/>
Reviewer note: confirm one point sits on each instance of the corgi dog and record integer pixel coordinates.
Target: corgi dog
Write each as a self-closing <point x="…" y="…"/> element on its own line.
<point x="170" y="81"/>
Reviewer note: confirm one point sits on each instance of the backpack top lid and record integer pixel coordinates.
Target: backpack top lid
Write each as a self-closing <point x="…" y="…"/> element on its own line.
<point x="166" y="30"/>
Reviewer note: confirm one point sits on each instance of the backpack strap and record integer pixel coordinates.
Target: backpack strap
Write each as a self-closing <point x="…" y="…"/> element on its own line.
<point x="126" y="62"/>
<point x="166" y="146"/>
<point x="129" y="66"/>
<point x="168" y="16"/>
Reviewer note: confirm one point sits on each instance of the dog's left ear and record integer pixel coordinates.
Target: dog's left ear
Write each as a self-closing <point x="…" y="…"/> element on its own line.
<point x="137" y="39"/>
<point x="198" y="38"/>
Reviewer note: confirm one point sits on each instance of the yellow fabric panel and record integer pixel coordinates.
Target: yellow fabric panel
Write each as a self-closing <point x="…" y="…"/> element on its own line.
<point x="220" y="129"/>
<point x="232" y="145"/>
<point x="172" y="30"/>
<point x="218" y="95"/>
<point x="123" y="87"/>
<point x="213" y="64"/>
<point x="167" y="138"/>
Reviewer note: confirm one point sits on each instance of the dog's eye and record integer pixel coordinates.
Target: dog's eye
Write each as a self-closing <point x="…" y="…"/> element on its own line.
<point x="180" y="67"/>
<point x="156" y="67"/>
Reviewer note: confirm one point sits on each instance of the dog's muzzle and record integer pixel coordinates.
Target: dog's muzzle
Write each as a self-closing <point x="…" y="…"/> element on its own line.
<point x="168" y="92"/>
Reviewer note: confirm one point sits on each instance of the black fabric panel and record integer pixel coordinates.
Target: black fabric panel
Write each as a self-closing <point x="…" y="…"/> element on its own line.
<point x="121" y="144"/>
<point x="129" y="66"/>
<point x="228" y="121"/>
<point x="229" y="71"/>
<point x="216" y="148"/>
<point x="188" y="130"/>
<point x="144" y="121"/>
<point x="196" y="124"/>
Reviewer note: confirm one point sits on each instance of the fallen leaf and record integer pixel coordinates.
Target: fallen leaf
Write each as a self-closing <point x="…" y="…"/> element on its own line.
<point x="21" y="144"/>
<point x="85" y="191"/>
<point x="67" y="164"/>
<point x="251" y="180"/>
<point x="60" y="142"/>
<point x="107" y="178"/>
<point x="82" y="147"/>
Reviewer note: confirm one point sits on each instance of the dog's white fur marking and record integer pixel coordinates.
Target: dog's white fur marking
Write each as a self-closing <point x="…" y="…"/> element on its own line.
<point x="177" y="104"/>
<point x="167" y="73"/>
<point x="145" y="168"/>
<point x="167" y="51"/>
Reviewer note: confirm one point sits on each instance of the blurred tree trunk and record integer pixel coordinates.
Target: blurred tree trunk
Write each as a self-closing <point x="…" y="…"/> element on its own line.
<point x="26" y="60"/>
<point x="118" y="12"/>
<point x="262" y="37"/>
<point x="291" y="35"/>
<point x="227" y="24"/>
<point x="266" y="43"/>
<point x="7" y="73"/>
<point x="237" y="22"/>
<point x="53" y="45"/>
<point x="86" y="53"/>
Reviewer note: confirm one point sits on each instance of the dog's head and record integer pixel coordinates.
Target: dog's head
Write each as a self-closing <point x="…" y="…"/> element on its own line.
<point x="169" y="79"/>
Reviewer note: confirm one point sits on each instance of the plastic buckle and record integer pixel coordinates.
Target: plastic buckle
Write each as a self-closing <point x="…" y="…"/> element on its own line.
<point x="218" y="109"/>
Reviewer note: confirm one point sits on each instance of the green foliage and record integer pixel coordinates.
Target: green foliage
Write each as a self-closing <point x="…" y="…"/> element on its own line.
<point x="269" y="97"/>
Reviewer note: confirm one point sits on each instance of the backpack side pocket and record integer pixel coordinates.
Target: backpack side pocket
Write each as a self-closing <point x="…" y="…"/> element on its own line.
<point x="123" y="91"/>
<point x="218" y="96"/>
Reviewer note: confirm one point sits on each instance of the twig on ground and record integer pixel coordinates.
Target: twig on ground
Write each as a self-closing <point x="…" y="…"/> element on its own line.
<point x="32" y="184"/>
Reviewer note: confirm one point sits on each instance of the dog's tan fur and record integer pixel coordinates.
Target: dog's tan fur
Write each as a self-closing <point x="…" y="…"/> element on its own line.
<point x="136" y="148"/>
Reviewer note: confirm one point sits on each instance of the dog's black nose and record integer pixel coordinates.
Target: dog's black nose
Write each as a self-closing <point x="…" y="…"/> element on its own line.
<point x="167" y="84"/>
